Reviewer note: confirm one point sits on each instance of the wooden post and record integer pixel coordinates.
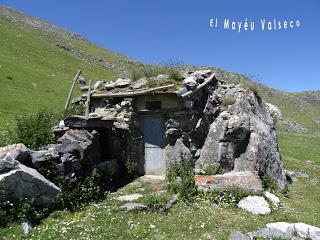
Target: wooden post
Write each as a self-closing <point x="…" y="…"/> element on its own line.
<point x="88" y="101"/>
<point x="209" y="79"/>
<point x="74" y="81"/>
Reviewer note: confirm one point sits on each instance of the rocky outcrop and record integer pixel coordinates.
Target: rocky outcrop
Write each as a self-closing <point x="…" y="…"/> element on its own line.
<point x="18" y="181"/>
<point x="242" y="137"/>
<point x="224" y="126"/>
<point x="75" y="156"/>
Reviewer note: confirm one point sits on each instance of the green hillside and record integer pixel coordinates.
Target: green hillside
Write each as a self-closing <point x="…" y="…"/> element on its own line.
<point x="38" y="62"/>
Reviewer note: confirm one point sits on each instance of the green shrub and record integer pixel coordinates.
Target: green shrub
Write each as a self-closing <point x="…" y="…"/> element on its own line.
<point x="74" y="110"/>
<point x="210" y="169"/>
<point x="8" y="137"/>
<point x="131" y="167"/>
<point x="74" y="195"/>
<point x="228" y="100"/>
<point x="253" y="88"/>
<point x="23" y="210"/>
<point x="34" y="130"/>
<point x="231" y="196"/>
<point x="268" y="183"/>
<point x="154" y="202"/>
<point x="180" y="180"/>
<point x="174" y="74"/>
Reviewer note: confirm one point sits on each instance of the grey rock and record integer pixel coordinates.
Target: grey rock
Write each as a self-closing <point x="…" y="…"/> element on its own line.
<point x="272" y="198"/>
<point x="122" y="82"/>
<point x="231" y="180"/>
<point x="294" y="176"/>
<point x="236" y="235"/>
<point x="18" y="152"/>
<point x="142" y="82"/>
<point x="110" y="86"/>
<point x="188" y="104"/>
<point x="181" y="91"/>
<point x="40" y="157"/>
<point x="162" y="76"/>
<point x="26" y="227"/>
<point x="99" y="85"/>
<point x="284" y="230"/>
<point x="255" y="204"/>
<point x="79" y="149"/>
<point x="169" y="204"/>
<point x="132" y="206"/>
<point x="24" y="182"/>
<point x="109" y="168"/>
<point x="171" y="123"/>
<point x="173" y="132"/>
<point x="121" y="125"/>
<point x="129" y="197"/>
<point x="270" y="233"/>
<point x="242" y="137"/>
<point x="7" y="163"/>
<point x="190" y="82"/>
<point x="176" y="152"/>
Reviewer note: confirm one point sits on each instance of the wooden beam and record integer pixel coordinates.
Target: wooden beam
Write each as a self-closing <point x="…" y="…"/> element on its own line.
<point x="74" y="81"/>
<point x="199" y="86"/>
<point x="88" y="101"/>
<point x="130" y="93"/>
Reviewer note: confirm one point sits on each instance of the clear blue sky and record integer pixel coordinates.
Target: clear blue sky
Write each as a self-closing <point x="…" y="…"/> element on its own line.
<point x="157" y="31"/>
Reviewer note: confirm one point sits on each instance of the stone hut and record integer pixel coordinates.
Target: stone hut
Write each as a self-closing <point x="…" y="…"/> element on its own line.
<point x="204" y="120"/>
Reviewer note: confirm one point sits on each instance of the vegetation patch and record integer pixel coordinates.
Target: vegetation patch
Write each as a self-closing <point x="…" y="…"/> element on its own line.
<point x="180" y="180"/>
<point x="34" y="130"/>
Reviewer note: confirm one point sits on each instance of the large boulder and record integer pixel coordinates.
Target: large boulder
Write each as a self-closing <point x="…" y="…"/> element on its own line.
<point x="243" y="135"/>
<point x="18" y="181"/>
<point x="177" y="152"/>
<point x="81" y="145"/>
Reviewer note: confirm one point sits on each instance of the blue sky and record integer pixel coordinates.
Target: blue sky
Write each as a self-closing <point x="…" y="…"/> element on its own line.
<point x="159" y="31"/>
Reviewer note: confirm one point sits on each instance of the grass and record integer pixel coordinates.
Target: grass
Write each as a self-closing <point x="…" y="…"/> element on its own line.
<point x="198" y="220"/>
<point x="35" y="73"/>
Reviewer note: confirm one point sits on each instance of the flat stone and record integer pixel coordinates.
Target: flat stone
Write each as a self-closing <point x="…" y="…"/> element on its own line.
<point x="255" y="204"/>
<point x="231" y="180"/>
<point x="142" y="82"/>
<point x="132" y="206"/>
<point x="162" y="76"/>
<point x="129" y="197"/>
<point x="110" y="86"/>
<point x="273" y="198"/>
<point x="122" y="82"/>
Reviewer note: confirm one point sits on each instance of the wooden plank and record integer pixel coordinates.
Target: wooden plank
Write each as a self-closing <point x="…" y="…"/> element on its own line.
<point x="88" y="101"/>
<point x="74" y="81"/>
<point x="199" y="86"/>
<point x="130" y="93"/>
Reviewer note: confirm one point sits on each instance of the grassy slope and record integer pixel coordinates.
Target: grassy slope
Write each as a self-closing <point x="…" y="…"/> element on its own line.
<point x="30" y="55"/>
<point x="35" y="73"/>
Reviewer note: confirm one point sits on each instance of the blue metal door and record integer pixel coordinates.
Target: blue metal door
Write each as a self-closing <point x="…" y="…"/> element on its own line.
<point x="153" y="131"/>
